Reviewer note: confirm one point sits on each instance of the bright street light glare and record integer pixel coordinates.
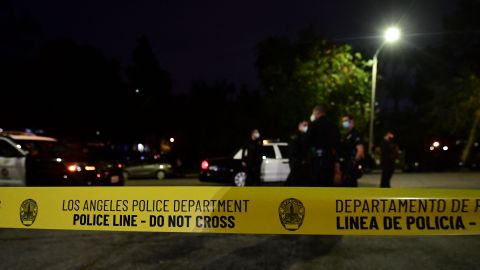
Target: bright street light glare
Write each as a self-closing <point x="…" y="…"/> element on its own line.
<point x="392" y="34"/>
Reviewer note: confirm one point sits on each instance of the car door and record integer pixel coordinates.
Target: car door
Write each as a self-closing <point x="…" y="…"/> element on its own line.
<point x="150" y="168"/>
<point x="12" y="165"/>
<point x="281" y="151"/>
<point x="135" y="169"/>
<point x="270" y="165"/>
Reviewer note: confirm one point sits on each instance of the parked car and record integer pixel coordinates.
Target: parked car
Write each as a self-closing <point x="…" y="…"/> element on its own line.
<point x="275" y="167"/>
<point x="154" y="167"/>
<point x="109" y="163"/>
<point x="28" y="159"/>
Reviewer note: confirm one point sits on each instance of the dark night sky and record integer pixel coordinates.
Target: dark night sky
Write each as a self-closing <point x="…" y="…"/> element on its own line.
<point x="215" y="40"/>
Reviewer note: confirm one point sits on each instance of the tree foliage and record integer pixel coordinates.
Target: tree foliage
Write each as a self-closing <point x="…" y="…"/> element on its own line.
<point x="337" y="77"/>
<point x="301" y="74"/>
<point x="145" y="72"/>
<point x="461" y="96"/>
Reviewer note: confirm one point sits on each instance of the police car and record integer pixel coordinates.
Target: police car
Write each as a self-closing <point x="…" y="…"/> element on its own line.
<point x="28" y="159"/>
<point x="275" y="167"/>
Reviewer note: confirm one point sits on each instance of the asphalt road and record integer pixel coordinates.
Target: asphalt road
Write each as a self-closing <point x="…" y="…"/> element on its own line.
<point x="46" y="249"/>
<point x="399" y="180"/>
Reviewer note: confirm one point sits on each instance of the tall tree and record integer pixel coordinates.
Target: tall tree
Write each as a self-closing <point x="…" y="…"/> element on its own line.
<point x="67" y="84"/>
<point x="297" y="75"/>
<point x="145" y="73"/>
<point x="461" y="50"/>
<point x="337" y="77"/>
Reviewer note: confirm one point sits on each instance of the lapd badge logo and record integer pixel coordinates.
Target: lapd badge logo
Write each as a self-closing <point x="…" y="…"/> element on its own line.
<point x="28" y="212"/>
<point x="4" y="173"/>
<point x="291" y="212"/>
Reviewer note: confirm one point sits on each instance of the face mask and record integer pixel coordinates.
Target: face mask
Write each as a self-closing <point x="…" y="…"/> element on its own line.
<point x="346" y="124"/>
<point x="312" y="118"/>
<point x="256" y="135"/>
<point x="304" y="129"/>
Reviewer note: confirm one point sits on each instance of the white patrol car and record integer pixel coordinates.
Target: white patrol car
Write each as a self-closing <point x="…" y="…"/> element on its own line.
<point x="275" y="167"/>
<point x="28" y="159"/>
<point x="13" y="158"/>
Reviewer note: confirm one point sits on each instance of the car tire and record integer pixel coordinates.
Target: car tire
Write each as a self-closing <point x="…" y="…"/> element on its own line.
<point x="240" y="179"/>
<point x="160" y="175"/>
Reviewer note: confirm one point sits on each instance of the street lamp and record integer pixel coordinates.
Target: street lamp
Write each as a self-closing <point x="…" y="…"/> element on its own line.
<point x="392" y="34"/>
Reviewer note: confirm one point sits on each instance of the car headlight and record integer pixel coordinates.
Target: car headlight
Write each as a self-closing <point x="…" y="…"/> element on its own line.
<point x="90" y="168"/>
<point x="78" y="168"/>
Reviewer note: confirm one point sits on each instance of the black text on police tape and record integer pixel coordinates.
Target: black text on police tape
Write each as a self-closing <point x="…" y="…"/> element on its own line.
<point x="171" y="221"/>
<point x="400" y="223"/>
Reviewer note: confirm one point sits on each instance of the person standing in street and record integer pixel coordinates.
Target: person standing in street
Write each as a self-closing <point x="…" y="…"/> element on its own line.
<point x="298" y="157"/>
<point x="252" y="158"/>
<point x="353" y="153"/>
<point x="389" y="152"/>
<point x="323" y="140"/>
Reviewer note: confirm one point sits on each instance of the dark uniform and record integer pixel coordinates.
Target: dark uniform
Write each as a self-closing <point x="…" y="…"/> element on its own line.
<point x="323" y="140"/>
<point x="387" y="162"/>
<point x="298" y="160"/>
<point x="350" y="166"/>
<point x="252" y="156"/>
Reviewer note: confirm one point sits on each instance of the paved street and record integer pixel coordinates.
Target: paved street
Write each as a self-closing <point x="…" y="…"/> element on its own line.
<point x="399" y="180"/>
<point x="38" y="249"/>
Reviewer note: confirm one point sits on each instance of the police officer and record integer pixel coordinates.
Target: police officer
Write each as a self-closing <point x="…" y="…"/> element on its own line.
<point x="387" y="160"/>
<point x="323" y="139"/>
<point x="252" y="158"/>
<point x="298" y="157"/>
<point x="353" y="153"/>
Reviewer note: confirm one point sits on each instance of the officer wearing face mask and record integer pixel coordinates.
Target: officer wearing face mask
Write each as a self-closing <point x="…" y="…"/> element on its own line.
<point x="353" y="153"/>
<point x="298" y="157"/>
<point x="323" y="139"/>
<point x="252" y="158"/>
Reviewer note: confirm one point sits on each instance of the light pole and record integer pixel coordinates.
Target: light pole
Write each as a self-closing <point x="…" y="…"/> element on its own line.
<point x="391" y="35"/>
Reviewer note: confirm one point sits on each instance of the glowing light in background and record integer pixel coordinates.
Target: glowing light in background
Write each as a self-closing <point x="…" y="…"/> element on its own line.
<point x="392" y="34"/>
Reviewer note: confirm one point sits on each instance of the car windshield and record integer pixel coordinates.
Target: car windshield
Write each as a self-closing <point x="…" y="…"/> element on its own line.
<point x="44" y="148"/>
<point x="103" y="153"/>
<point x="283" y="150"/>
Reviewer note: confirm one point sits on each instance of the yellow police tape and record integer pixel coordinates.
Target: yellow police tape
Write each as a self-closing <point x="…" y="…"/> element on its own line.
<point x="251" y="210"/>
